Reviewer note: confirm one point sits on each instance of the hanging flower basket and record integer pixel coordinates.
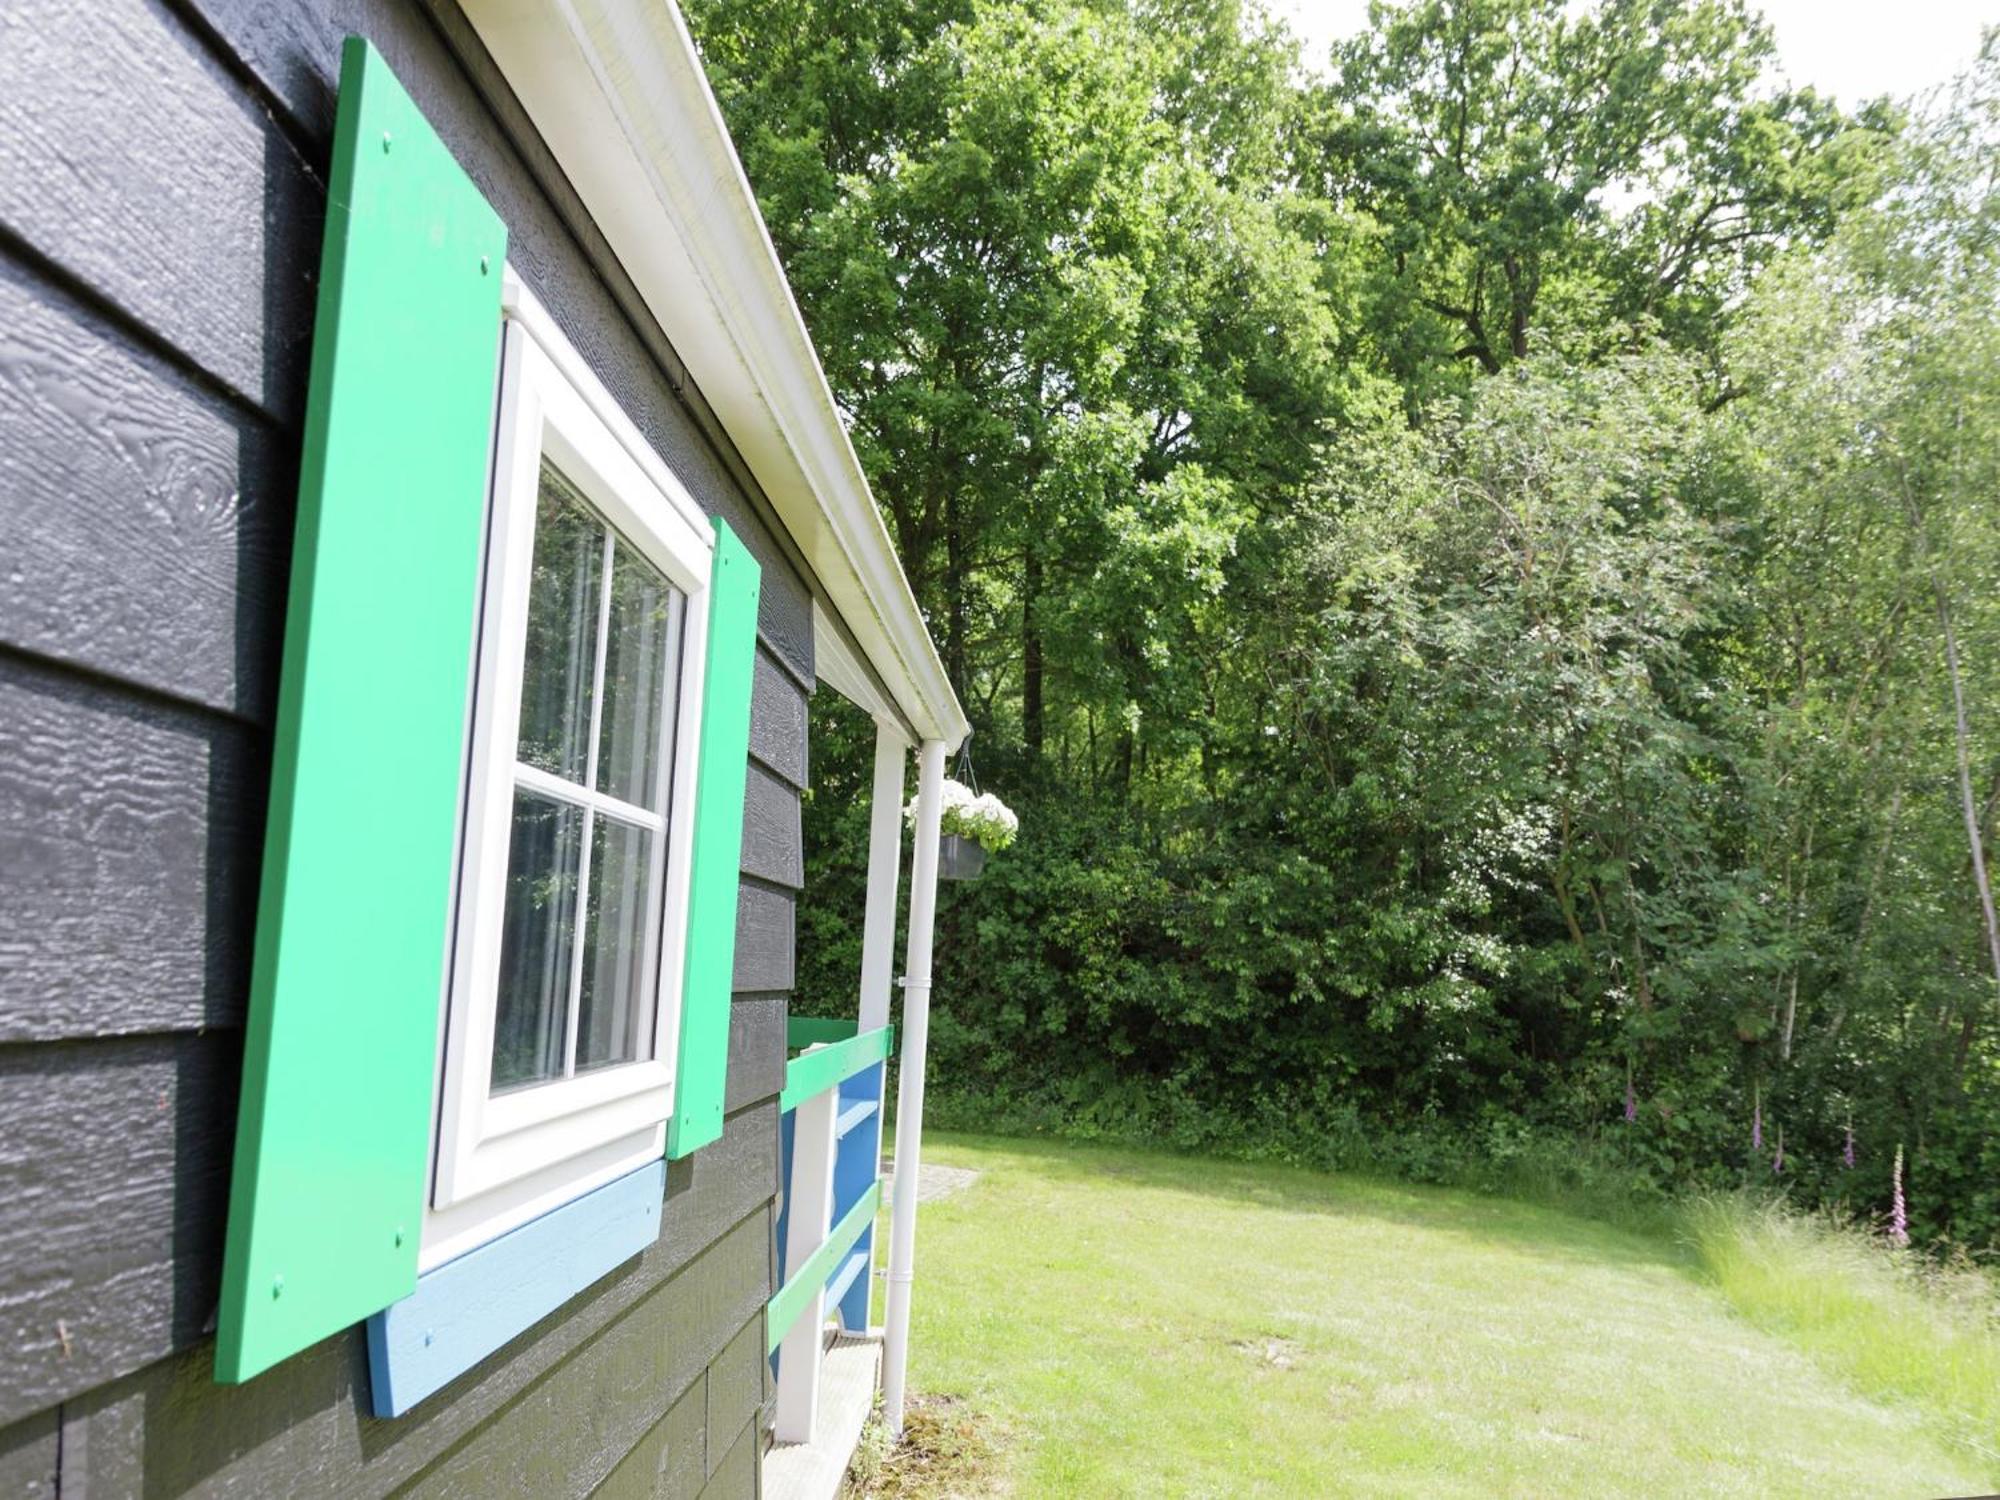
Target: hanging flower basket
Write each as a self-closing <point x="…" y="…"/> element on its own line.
<point x="959" y="858"/>
<point x="971" y="826"/>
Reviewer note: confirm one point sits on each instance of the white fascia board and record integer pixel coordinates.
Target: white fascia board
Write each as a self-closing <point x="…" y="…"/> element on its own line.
<point x="617" y="90"/>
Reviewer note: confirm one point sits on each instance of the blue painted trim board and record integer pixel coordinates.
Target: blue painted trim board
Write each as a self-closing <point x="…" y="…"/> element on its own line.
<point x="844" y="1277"/>
<point x="856" y="1163"/>
<point x="467" y="1308"/>
<point x="852" y="1116"/>
<point x="786" y="1133"/>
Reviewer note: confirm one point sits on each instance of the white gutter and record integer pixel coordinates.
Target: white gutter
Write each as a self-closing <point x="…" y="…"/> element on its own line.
<point x="618" y="92"/>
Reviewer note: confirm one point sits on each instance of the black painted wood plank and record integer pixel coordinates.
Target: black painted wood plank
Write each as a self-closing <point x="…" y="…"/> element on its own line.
<point x="165" y="945"/>
<point x="551" y="241"/>
<point x="735" y="1476"/>
<point x="756" y="1051"/>
<point x="146" y="521"/>
<point x="670" y="1461"/>
<point x="132" y="159"/>
<point x="773" y="840"/>
<point x="292" y="50"/>
<point x="30" y="1452"/>
<point x="171" y="1421"/>
<point x="569" y="1431"/>
<point x="784" y="618"/>
<point x="736" y="1380"/>
<point x="711" y="1191"/>
<point x="114" y="1159"/>
<point x="170" y="1429"/>
<point x="128" y="838"/>
<point x="778" y="736"/>
<point x="764" y="922"/>
<point x="303" y="1428"/>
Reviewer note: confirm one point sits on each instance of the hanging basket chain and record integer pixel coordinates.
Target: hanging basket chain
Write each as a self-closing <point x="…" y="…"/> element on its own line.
<point x="964" y="774"/>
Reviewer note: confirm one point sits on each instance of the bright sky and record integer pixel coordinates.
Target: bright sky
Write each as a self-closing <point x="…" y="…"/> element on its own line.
<point x="1853" y="49"/>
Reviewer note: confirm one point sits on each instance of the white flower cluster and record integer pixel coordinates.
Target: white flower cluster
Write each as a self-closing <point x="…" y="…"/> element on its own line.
<point x="983" y="818"/>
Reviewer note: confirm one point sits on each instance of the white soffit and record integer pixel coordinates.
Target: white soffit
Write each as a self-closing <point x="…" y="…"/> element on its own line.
<point x="617" y="90"/>
<point x="840" y="669"/>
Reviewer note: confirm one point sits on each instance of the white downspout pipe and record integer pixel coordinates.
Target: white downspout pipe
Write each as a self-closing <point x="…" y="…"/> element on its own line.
<point x="910" y="1087"/>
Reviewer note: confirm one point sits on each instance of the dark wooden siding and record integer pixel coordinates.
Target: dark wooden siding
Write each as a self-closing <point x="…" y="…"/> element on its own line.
<point x="161" y="196"/>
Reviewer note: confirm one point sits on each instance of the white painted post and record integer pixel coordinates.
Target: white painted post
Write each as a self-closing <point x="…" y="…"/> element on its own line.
<point x="910" y="1087"/>
<point x="809" y="1206"/>
<point x="885" y="858"/>
<point x="878" y="928"/>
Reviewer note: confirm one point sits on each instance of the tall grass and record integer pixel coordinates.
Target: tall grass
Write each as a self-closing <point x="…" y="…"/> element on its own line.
<point x="1892" y="1324"/>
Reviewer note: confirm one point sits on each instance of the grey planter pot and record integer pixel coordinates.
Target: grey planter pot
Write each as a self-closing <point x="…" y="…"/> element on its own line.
<point x="959" y="858"/>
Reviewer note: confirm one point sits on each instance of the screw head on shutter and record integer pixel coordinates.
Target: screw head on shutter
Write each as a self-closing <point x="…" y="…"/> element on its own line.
<point x="335" y="1118"/>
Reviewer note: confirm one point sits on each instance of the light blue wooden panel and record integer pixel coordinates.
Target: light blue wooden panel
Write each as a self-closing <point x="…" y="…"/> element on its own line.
<point x="467" y="1308"/>
<point x="857" y="1159"/>
<point x="852" y="1116"/>
<point x="785" y="1137"/>
<point x="845" y="1278"/>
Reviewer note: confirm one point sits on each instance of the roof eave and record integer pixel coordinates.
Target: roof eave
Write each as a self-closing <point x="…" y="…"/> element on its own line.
<point x="620" y="97"/>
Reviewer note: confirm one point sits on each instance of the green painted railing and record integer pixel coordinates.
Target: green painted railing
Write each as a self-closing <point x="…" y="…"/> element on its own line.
<point x="797" y="1292"/>
<point x="829" y="1066"/>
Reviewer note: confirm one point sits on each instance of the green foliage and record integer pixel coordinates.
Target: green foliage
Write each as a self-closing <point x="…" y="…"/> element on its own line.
<point x="1551" y="175"/>
<point x="1477" y="574"/>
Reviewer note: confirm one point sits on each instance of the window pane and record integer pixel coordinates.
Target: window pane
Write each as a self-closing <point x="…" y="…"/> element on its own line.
<point x="537" y="939"/>
<point x="557" y="677"/>
<point x="641" y="650"/>
<point x="612" y="1026"/>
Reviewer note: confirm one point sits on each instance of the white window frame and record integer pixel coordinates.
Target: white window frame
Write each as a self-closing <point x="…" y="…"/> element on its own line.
<point x="500" y="1160"/>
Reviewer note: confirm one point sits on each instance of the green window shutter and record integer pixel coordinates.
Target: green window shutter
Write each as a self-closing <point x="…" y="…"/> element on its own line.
<point x="718" y="846"/>
<point x="332" y="1137"/>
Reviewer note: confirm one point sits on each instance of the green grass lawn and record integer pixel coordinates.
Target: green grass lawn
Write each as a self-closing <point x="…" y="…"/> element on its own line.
<point x="1134" y="1324"/>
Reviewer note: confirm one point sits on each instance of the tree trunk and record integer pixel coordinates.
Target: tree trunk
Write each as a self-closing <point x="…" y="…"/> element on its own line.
<point x="954" y="592"/>
<point x="1794" y="915"/>
<point x="1861" y="926"/>
<point x="1565" y="898"/>
<point x="1519" y="298"/>
<point x="1033" y="724"/>
<point x="1967" y="802"/>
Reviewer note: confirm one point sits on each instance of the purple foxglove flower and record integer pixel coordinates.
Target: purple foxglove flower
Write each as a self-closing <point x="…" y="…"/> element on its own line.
<point x="1778" y="1161"/>
<point x="1631" y="1103"/>
<point x="1899" y="1217"/>
<point x="1847" y="1153"/>
<point x="1757" y="1125"/>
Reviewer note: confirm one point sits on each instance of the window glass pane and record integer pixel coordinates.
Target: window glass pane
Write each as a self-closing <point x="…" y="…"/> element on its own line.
<point x="618" y="947"/>
<point x="537" y="939"/>
<point x="557" y="676"/>
<point x="642" y="647"/>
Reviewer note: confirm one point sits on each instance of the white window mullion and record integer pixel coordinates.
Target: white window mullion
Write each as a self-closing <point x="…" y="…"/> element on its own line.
<point x="597" y="667"/>
<point x="576" y="954"/>
<point x="535" y="779"/>
<point x="575" y="1011"/>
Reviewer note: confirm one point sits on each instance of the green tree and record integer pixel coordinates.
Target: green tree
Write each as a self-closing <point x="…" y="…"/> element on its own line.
<point x="1540" y="170"/>
<point x="1479" y="572"/>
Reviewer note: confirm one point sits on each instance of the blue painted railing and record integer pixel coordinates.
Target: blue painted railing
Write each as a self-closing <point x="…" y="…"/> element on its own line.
<point x="855" y="1063"/>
